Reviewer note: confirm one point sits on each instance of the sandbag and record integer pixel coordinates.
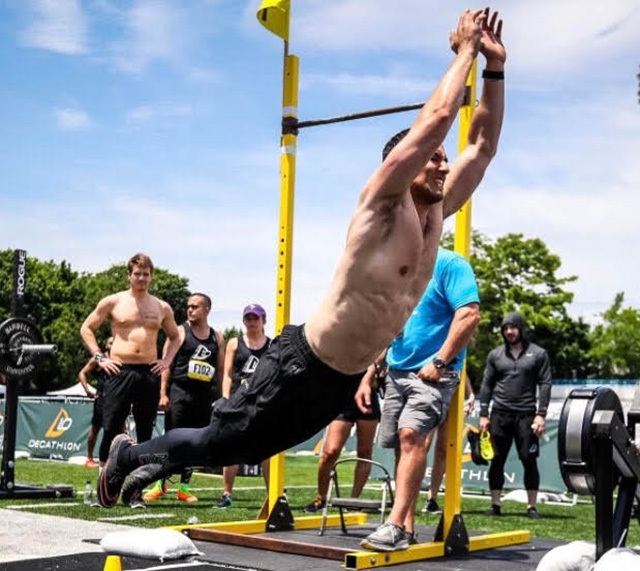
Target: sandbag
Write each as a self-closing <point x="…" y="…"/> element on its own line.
<point x="163" y="544"/>
<point x="618" y="559"/>
<point x="575" y="556"/>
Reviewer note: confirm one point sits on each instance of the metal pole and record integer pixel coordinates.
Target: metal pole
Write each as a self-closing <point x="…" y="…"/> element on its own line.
<point x="7" y="473"/>
<point x="462" y="245"/>
<point x="360" y="115"/>
<point x="285" y="236"/>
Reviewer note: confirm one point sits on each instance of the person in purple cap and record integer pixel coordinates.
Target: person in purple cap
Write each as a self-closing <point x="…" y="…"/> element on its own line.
<point x="241" y="360"/>
<point x="311" y="372"/>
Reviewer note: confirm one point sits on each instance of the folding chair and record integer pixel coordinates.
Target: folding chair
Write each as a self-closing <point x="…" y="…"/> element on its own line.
<point x="361" y="504"/>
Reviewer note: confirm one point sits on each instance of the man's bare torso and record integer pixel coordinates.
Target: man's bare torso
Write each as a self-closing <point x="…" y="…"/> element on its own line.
<point x="134" y="325"/>
<point x="384" y="270"/>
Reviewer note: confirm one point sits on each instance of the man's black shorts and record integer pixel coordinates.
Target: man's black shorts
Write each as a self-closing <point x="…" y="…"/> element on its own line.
<point x="291" y="396"/>
<point x="506" y="427"/>
<point x="134" y="389"/>
<point x="189" y="408"/>
<point x="96" y="417"/>
<point x="353" y="414"/>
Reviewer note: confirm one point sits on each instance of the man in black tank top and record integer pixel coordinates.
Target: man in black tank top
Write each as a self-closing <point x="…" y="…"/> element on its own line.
<point x="241" y="360"/>
<point x="192" y="385"/>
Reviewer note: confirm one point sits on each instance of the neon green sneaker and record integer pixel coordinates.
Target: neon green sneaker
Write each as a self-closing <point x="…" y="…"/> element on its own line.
<point x="159" y="489"/>
<point x="486" y="447"/>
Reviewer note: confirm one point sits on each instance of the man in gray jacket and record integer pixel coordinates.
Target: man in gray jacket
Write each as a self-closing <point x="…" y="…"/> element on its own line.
<point x="512" y="375"/>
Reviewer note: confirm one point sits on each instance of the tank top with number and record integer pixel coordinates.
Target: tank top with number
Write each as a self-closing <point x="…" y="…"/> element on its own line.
<point x="245" y="362"/>
<point x="195" y="364"/>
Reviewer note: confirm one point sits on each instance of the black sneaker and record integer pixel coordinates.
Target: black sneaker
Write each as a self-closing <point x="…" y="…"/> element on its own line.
<point x="412" y="537"/>
<point x="139" y="479"/>
<point x="495" y="510"/>
<point x="431" y="507"/>
<point x="315" y="506"/>
<point x="532" y="513"/>
<point x="112" y="476"/>
<point x="225" y="502"/>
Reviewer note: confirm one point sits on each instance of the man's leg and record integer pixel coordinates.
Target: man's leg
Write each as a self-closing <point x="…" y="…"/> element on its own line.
<point x="145" y="405"/>
<point x="502" y="432"/>
<point x="91" y="444"/>
<point x="438" y="468"/>
<point x="365" y="433"/>
<point x="116" y="404"/>
<point x="160" y="487"/>
<point x="337" y="434"/>
<point x="229" y="474"/>
<point x="528" y="450"/>
<point x="409" y="474"/>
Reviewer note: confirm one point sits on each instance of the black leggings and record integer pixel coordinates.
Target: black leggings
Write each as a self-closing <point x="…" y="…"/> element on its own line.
<point x="505" y="428"/>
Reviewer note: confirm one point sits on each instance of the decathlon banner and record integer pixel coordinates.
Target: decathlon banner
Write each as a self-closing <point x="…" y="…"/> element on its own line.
<point x="477" y="477"/>
<point x="59" y="430"/>
<point x="53" y="429"/>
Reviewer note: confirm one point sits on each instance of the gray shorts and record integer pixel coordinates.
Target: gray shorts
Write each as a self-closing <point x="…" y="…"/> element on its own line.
<point x="409" y="402"/>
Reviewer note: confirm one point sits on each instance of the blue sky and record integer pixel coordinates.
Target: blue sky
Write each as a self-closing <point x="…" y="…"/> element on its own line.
<point x="153" y="125"/>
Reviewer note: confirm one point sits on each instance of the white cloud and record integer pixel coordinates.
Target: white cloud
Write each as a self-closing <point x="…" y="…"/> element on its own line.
<point x="72" y="119"/>
<point x="541" y="37"/>
<point x="384" y="85"/>
<point x="57" y="25"/>
<point x="150" y="112"/>
<point x="155" y="31"/>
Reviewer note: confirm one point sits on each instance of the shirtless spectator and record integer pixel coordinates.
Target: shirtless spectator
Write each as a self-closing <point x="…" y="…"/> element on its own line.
<point x="132" y="369"/>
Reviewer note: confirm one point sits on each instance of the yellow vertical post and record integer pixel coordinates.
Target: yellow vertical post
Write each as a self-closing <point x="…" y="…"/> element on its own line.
<point x="275" y="16"/>
<point x="285" y="235"/>
<point x="462" y="245"/>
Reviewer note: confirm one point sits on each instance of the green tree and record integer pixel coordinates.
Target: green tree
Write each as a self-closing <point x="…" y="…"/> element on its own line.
<point x="231" y="332"/>
<point x="520" y="274"/>
<point x="615" y="349"/>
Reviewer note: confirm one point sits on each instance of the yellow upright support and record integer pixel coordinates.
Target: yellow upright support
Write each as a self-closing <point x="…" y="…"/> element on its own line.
<point x="285" y="235"/>
<point x="462" y="245"/>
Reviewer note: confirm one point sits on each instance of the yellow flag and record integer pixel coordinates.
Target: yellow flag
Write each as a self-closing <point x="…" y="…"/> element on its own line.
<point x="274" y="15"/>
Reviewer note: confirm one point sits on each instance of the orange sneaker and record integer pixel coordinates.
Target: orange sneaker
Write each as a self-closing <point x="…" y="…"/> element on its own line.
<point x="187" y="497"/>
<point x="156" y="492"/>
<point x="90" y="463"/>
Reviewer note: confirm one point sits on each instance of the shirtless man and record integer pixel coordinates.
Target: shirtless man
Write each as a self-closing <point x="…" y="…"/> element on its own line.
<point x="132" y="369"/>
<point x="311" y="372"/>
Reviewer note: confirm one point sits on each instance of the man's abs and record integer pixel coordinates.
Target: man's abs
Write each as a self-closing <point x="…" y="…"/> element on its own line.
<point x="139" y="347"/>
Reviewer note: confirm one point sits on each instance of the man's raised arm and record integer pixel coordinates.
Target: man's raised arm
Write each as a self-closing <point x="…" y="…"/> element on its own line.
<point x="468" y="169"/>
<point x="395" y="175"/>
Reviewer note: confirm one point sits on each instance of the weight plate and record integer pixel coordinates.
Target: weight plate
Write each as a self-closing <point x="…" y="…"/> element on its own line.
<point x="14" y="333"/>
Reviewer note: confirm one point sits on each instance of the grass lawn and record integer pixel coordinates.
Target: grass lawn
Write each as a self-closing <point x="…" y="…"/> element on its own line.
<point x="557" y="522"/>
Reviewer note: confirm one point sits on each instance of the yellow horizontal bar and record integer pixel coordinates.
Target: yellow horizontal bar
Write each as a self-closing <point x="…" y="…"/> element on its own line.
<point x="309" y="522"/>
<point x="250" y="526"/>
<point x="371" y="559"/>
<point x="260" y="525"/>
<point x="492" y="540"/>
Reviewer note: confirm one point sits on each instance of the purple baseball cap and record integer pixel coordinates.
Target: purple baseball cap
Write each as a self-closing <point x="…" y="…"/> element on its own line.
<point x="254" y="309"/>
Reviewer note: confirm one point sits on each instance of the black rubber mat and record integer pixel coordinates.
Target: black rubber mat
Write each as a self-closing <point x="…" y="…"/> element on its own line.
<point x="96" y="562"/>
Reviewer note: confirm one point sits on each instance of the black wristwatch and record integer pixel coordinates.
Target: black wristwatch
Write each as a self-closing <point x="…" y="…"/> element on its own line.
<point x="439" y="364"/>
<point x="99" y="357"/>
